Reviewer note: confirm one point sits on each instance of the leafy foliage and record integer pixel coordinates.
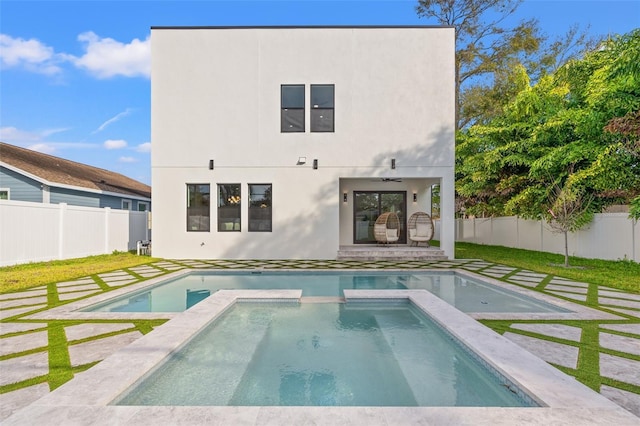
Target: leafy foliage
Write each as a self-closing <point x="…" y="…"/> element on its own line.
<point x="577" y="128"/>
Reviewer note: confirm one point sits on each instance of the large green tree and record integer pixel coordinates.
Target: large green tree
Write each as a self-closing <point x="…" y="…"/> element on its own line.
<point x="490" y="54"/>
<point x="574" y="128"/>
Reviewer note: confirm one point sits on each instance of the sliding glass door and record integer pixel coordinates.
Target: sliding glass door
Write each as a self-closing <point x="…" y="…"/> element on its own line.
<point x="369" y="205"/>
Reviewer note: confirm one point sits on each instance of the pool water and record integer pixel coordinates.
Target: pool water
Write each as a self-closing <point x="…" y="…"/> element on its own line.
<point x="466" y="294"/>
<point x="322" y="354"/>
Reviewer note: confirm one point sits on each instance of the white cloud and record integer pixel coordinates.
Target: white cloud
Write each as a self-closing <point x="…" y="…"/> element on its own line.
<point x="106" y="57"/>
<point x="112" y="120"/>
<point x="115" y="143"/>
<point x="127" y="160"/>
<point x="37" y="140"/>
<point x="144" y="147"/>
<point x="32" y="55"/>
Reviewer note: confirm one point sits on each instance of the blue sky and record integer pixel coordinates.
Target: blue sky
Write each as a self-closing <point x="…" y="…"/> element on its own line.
<point x="74" y="78"/>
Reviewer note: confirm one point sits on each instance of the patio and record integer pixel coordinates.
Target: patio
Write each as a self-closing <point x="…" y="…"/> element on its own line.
<point x="27" y="347"/>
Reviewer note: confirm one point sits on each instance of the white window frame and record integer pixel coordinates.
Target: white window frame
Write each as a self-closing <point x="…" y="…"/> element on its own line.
<point x="130" y="204"/>
<point x="8" y="191"/>
<point x="145" y="204"/>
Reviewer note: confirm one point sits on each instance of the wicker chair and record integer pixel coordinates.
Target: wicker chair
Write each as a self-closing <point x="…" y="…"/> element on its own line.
<point x="386" y="230"/>
<point x="420" y="228"/>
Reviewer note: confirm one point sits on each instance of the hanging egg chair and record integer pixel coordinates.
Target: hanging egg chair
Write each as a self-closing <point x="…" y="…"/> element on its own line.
<point x="386" y="230"/>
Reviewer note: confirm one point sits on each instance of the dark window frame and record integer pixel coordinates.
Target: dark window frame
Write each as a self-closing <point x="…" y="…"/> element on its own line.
<point x="286" y="108"/>
<point x="257" y="215"/>
<point x="234" y="203"/>
<point x="206" y="199"/>
<point x="317" y="109"/>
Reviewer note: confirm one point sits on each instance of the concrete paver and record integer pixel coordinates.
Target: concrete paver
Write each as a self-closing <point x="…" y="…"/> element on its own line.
<point x="97" y="350"/>
<point x="552" y="352"/>
<point x="83" y="331"/>
<point x="23" y="342"/>
<point x="24" y="367"/>
<point x="560" y="331"/>
<point x="622" y="369"/>
<point x="620" y="343"/>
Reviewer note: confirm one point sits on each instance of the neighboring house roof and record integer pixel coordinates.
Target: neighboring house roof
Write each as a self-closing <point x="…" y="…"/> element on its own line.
<point x="54" y="170"/>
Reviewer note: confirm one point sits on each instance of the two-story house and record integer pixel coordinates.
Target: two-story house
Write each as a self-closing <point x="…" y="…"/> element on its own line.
<point x="283" y="142"/>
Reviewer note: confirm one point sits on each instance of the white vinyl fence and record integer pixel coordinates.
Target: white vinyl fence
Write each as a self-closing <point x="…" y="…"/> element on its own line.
<point x="611" y="236"/>
<point x="34" y="232"/>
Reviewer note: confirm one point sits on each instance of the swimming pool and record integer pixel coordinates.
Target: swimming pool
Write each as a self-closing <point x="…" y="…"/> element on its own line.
<point x="463" y="292"/>
<point x="323" y="354"/>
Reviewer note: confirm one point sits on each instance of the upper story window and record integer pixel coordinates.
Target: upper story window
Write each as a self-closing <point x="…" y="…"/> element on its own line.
<point x="292" y="108"/>
<point x="322" y="106"/>
<point x="198" y="210"/>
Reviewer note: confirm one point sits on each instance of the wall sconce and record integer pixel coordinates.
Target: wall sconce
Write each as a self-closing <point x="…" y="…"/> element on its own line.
<point x="415" y="197"/>
<point x="315" y="164"/>
<point x="344" y="197"/>
<point x="301" y="161"/>
<point x="210" y="164"/>
<point x="393" y="163"/>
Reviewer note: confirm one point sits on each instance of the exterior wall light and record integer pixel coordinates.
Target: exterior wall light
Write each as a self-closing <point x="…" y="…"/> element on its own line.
<point x="415" y="197"/>
<point x="301" y="161"/>
<point x="393" y="163"/>
<point x="344" y="197"/>
<point x="210" y="164"/>
<point x="315" y="164"/>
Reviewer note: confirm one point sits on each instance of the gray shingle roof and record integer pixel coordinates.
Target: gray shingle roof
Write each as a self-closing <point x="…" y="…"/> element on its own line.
<point x="66" y="172"/>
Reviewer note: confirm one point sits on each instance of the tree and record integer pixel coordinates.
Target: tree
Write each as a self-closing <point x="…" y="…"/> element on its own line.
<point x="578" y="124"/>
<point x="489" y="53"/>
<point x="568" y="212"/>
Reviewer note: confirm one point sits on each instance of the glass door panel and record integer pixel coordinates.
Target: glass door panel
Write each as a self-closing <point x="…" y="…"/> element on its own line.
<point x="369" y="205"/>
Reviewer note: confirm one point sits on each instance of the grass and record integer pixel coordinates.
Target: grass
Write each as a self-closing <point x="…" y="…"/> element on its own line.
<point x="21" y="277"/>
<point x="620" y="274"/>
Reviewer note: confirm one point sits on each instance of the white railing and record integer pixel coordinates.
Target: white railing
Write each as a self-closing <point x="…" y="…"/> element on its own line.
<point x="611" y="236"/>
<point x="35" y="232"/>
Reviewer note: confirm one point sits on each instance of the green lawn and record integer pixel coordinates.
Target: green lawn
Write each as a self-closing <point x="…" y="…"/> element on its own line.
<point x="21" y="277"/>
<point x="621" y="274"/>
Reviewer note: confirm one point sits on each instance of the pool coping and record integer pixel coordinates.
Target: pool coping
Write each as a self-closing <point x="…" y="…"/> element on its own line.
<point x="73" y="311"/>
<point x="86" y="399"/>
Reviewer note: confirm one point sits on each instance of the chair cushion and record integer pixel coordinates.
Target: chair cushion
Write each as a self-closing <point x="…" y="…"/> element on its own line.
<point x="412" y="233"/>
<point x="422" y="229"/>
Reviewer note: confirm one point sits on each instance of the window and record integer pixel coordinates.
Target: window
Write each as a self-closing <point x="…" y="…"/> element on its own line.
<point x="228" y="207"/>
<point x="142" y="206"/>
<point x="198" y="208"/>
<point x="126" y="204"/>
<point x="260" y="207"/>
<point x="292" y="108"/>
<point x="4" y="194"/>
<point x="322" y="105"/>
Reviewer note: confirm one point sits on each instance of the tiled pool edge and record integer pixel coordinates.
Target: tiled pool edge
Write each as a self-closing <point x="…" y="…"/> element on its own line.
<point x="74" y="310"/>
<point x="85" y="399"/>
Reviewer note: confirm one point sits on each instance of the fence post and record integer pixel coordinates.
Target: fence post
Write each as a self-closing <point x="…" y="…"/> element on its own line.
<point x="62" y="212"/>
<point x="107" y="217"/>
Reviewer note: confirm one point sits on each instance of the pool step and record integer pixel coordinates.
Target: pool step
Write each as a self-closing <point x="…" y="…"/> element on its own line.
<point x="372" y="252"/>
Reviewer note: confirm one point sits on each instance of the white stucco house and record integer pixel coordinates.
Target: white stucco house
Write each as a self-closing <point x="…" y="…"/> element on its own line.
<point x="288" y="142"/>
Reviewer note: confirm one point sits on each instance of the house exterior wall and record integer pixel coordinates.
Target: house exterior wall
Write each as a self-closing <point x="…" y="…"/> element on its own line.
<point x="74" y="198"/>
<point x="24" y="188"/>
<point x="21" y="187"/>
<point x="216" y="96"/>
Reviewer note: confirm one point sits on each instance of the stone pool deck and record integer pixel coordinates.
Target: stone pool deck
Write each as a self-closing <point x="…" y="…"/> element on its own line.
<point x="32" y="348"/>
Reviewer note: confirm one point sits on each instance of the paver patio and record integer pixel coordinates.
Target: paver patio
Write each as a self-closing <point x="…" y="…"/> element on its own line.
<point x="25" y="346"/>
